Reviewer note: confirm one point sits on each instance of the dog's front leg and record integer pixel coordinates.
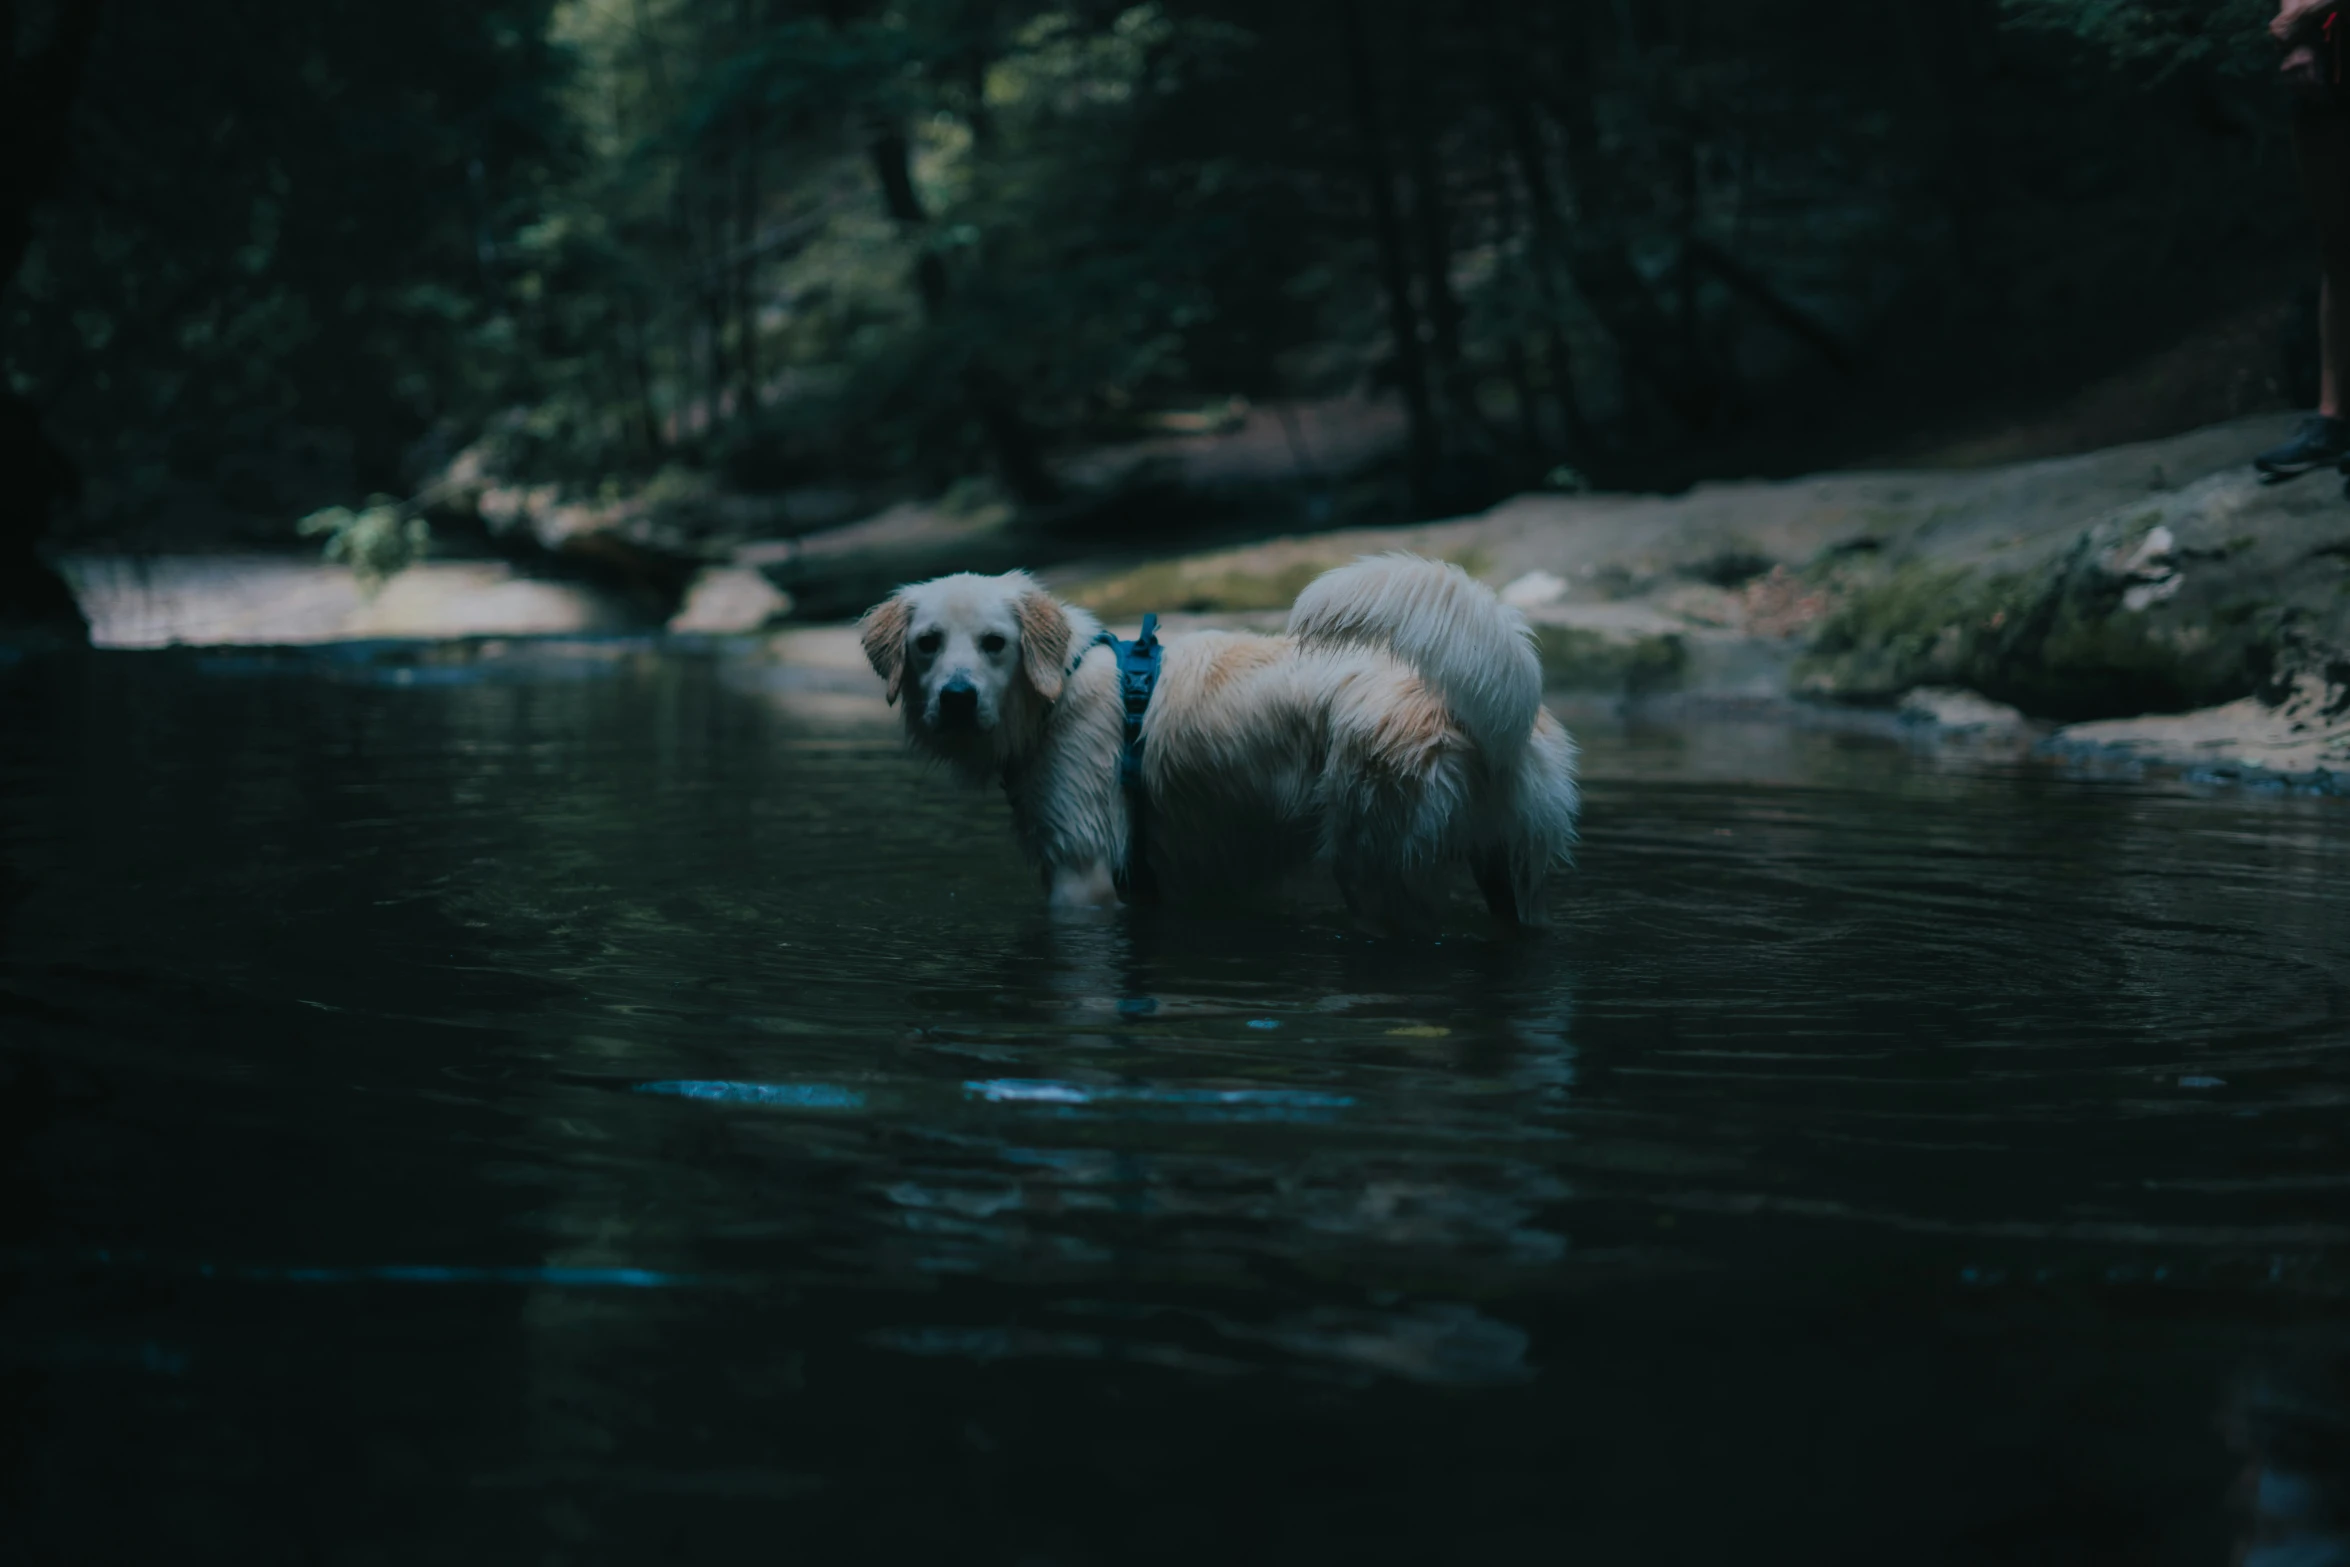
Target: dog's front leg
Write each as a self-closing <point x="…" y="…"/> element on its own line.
<point x="1086" y="886"/>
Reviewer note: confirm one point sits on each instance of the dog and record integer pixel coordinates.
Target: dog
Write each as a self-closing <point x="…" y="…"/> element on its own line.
<point x="1394" y="730"/>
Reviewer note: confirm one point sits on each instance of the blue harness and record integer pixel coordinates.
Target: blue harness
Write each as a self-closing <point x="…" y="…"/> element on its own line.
<point x="1138" y="676"/>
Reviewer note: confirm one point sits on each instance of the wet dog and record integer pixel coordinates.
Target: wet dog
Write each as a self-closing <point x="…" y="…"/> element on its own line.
<point x="1395" y="730"/>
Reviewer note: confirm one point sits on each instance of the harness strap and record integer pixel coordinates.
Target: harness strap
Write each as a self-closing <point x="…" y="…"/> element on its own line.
<point x="1138" y="676"/>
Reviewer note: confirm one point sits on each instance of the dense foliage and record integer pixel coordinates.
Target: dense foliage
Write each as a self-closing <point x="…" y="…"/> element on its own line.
<point x="2228" y="36"/>
<point x="300" y="252"/>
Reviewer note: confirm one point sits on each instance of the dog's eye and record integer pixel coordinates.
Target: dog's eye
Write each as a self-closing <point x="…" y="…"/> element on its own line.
<point x="928" y="642"/>
<point x="993" y="642"/>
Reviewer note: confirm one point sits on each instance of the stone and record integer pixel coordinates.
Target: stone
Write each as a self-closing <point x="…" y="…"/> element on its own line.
<point x="1533" y="590"/>
<point x="273" y="600"/>
<point x="1955" y="710"/>
<point x="2302" y="735"/>
<point x="729" y="601"/>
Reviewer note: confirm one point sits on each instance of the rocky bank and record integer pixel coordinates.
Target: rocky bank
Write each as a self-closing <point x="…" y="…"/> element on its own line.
<point x="2153" y="602"/>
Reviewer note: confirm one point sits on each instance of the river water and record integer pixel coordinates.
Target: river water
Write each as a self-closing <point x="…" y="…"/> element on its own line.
<point x="599" y="1104"/>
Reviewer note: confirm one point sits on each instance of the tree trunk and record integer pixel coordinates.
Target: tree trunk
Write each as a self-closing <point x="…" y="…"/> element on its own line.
<point x="34" y="112"/>
<point x="36" y="103"/>
<point x="1603" y="273"/>
<point x="1685" y="302"/>
<point x="1394" y="265"/>
<point x="1019" y="457"/>
<point x="1462" y="420"/>
<point x="675" y="319"/>
<point x="746" y="277"/>
<point x="1434" y="230"/>
<point x="1558" y="371"/>
<point x="1508" y="233"/>
<point x="972" y="64"/>
<point x="893" y="168"/>
<point x="1523" y="139"/>
<point x="713" y="270"/>
<point x="993" y="401"/>
<point x="746" y="251"/>
<point x="1522" y="393"/>
<point x="641" y="368"/>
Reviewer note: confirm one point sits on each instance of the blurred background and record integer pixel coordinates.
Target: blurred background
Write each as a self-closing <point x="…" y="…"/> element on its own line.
<point x="537" y="1075"/>
<point x="616" y="289"/>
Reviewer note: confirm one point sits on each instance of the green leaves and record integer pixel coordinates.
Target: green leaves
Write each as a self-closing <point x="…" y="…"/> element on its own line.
<point x="2161" y="36"/>
<point x="377" y="542"/>
<point x="872" y="249"/>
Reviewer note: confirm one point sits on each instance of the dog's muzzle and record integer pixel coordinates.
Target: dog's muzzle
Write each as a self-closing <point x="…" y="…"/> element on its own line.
<point x="958" y="706"/>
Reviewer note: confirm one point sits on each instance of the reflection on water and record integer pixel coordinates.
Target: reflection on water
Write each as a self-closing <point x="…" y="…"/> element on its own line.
<point x="797" y="1096"/>
<point x="589" y="1103"/>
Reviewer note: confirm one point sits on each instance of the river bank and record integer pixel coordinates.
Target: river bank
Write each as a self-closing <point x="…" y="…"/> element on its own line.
<point x="2153" y="603"/>
<point x="2149" y="604"/>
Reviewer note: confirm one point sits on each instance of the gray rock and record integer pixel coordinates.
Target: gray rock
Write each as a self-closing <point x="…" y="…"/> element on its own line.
<point x="202" y="600"/>
<point x="730" y="600"/>
<point x="1955" y="710"/>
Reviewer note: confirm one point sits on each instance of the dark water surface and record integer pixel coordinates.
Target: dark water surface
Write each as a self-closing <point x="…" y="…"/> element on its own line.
<point x="582" y="1106"/>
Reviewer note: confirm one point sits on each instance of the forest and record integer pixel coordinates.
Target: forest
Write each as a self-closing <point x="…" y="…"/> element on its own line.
<point x="268" y="257"/>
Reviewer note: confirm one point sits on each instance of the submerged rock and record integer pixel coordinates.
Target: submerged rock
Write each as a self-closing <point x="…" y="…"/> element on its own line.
<point x="1954" y="710"/>
<point x="2301" y="737"/>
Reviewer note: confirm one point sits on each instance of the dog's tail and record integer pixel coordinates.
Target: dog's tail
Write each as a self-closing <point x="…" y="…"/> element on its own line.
<point x="1475" y="650"/>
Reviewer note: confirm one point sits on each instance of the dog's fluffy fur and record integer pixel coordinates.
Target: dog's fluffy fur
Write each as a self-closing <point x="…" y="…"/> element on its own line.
<point x="1395" y="730"/>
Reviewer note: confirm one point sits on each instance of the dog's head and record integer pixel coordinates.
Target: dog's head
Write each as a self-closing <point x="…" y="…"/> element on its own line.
<point x="977" y="660"/>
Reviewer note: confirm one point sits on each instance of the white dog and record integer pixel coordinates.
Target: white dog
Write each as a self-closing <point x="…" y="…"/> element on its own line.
<point x="1395" y="730"/>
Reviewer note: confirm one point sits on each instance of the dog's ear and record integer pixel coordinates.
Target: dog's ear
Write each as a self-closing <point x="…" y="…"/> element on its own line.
<point x="884" y="630"/>
<point x="1044" y="643"/>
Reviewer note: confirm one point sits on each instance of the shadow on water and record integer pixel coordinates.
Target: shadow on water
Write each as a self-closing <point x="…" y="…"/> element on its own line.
<point x="573" y="1106"/>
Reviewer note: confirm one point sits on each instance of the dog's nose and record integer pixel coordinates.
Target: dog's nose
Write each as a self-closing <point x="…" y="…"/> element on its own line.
<point x="958" y="704"/>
